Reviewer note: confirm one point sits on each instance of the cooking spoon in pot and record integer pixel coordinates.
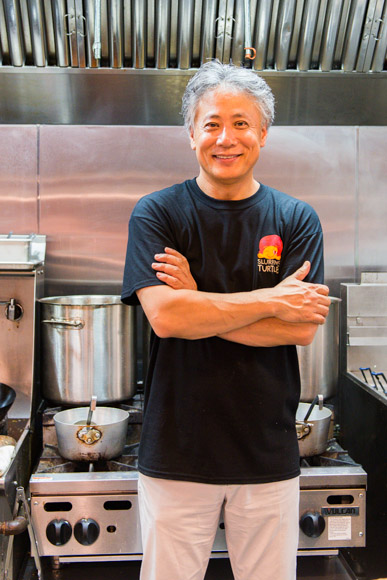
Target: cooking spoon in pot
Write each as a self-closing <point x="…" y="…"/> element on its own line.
<point x="93" y="404"/>
<point x="318" y="399"/>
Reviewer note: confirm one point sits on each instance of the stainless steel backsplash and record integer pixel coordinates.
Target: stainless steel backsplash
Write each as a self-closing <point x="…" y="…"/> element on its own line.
<point x="79" y="184"/>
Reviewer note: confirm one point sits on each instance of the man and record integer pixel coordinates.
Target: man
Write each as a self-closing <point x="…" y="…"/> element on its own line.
<point x="219" y="264"/>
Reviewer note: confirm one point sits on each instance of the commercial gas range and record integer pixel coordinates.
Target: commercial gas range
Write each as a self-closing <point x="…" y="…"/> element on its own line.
<point x="22" y="258"/>
<point x="89" y="512"/>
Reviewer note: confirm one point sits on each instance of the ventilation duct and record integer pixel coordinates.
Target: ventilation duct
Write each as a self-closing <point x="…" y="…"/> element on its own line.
<point x="292" y="35"/>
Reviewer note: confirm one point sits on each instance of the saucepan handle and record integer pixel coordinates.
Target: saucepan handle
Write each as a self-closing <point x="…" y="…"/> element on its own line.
<point x="303" y="429"/>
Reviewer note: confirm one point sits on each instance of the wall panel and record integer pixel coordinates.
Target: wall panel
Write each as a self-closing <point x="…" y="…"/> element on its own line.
<point x="18" y="179"/>
<point x="91" y="177"/>
<point x="372" y="235"/>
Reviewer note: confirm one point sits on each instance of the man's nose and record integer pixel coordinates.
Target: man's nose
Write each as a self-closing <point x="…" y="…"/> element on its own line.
<point x="226" y="137"/>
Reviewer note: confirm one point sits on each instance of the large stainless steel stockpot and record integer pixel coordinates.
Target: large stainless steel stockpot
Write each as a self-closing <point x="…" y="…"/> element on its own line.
<point x="88" y="348"/>
<point x="319" y="361"/>
<point x="103" y="439"/>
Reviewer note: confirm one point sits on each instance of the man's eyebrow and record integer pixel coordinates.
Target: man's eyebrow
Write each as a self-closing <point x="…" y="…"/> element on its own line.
<point x="215" y="116"/>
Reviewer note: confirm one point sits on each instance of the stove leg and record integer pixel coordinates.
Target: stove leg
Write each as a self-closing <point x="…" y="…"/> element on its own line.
<point x="55" y="563"/>
<point x="21" y="498"/>
<point x="8" y="566"/>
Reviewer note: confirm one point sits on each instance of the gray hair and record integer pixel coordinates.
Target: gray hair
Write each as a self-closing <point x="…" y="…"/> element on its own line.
<point x="213" y="75"/>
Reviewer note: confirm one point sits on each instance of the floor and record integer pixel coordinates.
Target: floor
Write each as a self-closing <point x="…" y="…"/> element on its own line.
<point x="309" y="568"/>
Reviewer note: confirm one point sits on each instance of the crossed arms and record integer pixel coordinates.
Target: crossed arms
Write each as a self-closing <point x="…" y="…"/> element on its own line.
<point x="288" y="313"/>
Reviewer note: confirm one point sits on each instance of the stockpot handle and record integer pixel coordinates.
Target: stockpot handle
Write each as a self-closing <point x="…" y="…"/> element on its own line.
<point x="75" y="324"/>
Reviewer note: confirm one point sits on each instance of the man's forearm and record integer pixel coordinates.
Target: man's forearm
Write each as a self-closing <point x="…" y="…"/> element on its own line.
<point x="273" y="332"/>
<point x="240" y="317"/>
<point x="193" y="315"/>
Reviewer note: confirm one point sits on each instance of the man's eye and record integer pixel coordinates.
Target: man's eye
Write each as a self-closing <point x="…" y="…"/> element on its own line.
<point x="241" y="124"/>
<point x="210" y="126"/>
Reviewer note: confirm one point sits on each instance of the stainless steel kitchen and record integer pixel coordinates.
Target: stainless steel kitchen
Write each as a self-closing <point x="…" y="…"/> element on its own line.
<point x="90" y="122"/>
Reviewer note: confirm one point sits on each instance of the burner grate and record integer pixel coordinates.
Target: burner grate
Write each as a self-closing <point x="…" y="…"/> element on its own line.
<point x="52" y="462"/>
<point x="334" y="455"/>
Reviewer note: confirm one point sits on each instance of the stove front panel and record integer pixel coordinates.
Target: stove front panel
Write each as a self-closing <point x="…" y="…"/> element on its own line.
<point x="84" y="525"/>
<point x="332" y="518"/>
<point x="96" y="524"/>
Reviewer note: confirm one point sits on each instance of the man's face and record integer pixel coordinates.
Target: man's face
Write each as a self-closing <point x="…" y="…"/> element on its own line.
<point x="227" y="137"/>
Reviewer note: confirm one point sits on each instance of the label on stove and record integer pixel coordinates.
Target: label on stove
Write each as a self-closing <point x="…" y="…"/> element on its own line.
<point x="339" y="528"/>
<point x="340" y="511"/>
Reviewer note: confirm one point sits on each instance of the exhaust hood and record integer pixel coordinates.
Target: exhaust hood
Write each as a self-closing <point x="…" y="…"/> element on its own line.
<point x="284" y="35"/>
<point x="128" y="61"/>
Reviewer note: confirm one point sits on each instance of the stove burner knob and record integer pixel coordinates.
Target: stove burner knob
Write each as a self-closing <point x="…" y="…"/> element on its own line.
<point x="58" y="532"/>
<point x="312" y="524"/>
<point x="86" y="531"/>
<point x="14" y="310"/>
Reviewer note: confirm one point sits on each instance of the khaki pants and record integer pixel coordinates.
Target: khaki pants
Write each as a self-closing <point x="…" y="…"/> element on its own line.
<point x="179" y="520"/>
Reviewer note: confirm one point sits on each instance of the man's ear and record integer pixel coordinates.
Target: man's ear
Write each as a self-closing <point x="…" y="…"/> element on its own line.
<point x="263" y="136"/>
<point x="192" y="139"/>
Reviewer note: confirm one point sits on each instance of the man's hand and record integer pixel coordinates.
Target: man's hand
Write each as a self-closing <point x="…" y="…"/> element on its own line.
<point x="173" y="269"/>
<point x="299" y="301"/>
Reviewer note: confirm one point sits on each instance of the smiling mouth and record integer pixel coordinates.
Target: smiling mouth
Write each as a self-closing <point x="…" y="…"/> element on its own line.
<point x="226" y="156"/>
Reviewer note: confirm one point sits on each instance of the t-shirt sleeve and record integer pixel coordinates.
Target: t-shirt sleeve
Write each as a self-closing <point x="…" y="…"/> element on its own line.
<point x="148" y="236"/>
<point x="305" y="243"/>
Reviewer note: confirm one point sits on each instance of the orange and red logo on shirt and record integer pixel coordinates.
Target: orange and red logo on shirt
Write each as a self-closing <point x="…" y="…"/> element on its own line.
<point x="269" y="253"/>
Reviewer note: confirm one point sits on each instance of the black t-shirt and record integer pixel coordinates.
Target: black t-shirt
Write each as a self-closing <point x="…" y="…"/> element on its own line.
<point x="218" y="411"/>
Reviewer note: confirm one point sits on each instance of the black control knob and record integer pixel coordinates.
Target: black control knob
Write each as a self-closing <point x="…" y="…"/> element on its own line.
<point x="58" y="532"/>
<point x="312" y="524"/>
<point x="86" y="531"/>
<point x="14" y="310"/>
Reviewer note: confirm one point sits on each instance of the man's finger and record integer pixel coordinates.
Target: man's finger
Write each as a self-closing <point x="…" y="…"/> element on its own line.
<point x="323" y="290"/>
<point x="173" y="252"/>
<point x="302" y="272"/>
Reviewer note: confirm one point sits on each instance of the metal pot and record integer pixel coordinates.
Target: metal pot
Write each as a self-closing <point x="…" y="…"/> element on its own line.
<point x="312" y="434"/>
<point x="88" y="348"/>
<point x="7" y="397"/>
<point x="103" y="439"/>
<point x="319" y="361"/>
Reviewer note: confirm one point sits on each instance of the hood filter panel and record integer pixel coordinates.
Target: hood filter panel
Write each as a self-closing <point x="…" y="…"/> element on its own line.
<point x="296" y="35"/>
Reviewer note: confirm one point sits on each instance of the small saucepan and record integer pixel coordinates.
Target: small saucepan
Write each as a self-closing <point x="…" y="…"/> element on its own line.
<point x="103" y="438"/>
<point x="312" y="425"/>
